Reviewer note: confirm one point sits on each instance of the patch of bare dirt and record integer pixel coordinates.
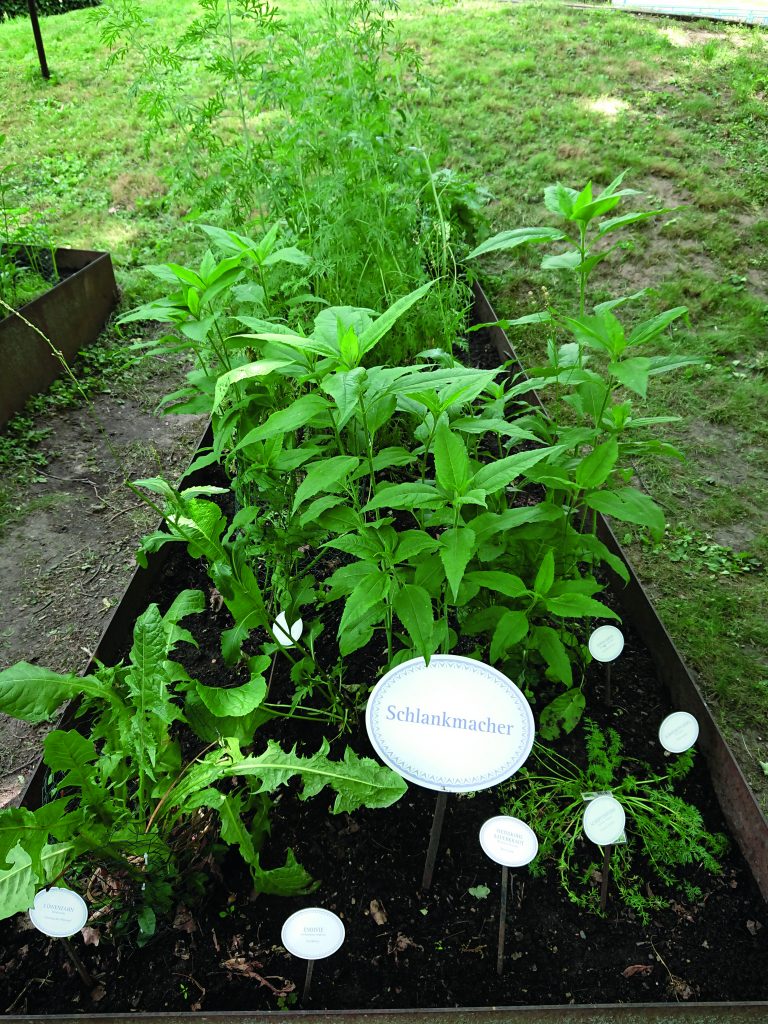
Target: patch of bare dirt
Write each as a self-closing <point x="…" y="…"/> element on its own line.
<point x="69" y="555"/>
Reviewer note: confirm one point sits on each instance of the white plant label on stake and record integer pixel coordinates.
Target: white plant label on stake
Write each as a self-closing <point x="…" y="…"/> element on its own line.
<point x="508" y="841"/>
<point x="678" y="732"/>
<point x="313" y="933"/>
<point x="511" y="843"/>
<point x="606" y="643"/>
<point x="58" y="912"/>
<point x="287" y="635"/>
<point x="455" y="725"/>
<point x="604" y="820"/>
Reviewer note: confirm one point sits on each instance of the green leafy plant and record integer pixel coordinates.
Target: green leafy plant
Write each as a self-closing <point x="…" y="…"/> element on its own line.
<point x="125" y="800"/>
<point x="664" y="832"/>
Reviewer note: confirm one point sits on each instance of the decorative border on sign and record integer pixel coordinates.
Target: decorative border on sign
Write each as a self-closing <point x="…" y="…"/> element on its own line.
<point x="463" y="783"/>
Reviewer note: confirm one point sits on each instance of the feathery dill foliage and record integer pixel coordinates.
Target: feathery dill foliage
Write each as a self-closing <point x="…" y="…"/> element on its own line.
<point x="309" y="123"/>
<point x="662" y="827"/>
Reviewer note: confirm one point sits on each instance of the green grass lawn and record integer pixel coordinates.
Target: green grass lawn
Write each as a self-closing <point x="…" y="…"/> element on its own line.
<point x="532" y="94"/>
<point x="526" y="94"/>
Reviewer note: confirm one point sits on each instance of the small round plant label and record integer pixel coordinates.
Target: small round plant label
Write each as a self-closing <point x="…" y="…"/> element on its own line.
<point x="678" y="732"/>
<point x="313" y="933"/>
<point x="455" y="725"/>
<point x="58" y="912"/>
<point x="287" y="635"/>
<point x="606" y="643"/>
<point x="604" y="820"/>
<point x="509" y="841"/>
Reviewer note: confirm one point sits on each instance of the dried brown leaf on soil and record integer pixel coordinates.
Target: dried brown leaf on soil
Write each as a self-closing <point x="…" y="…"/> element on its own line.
<point x="239" y="965"/>
<point x="377" y="911"/>
<point x="633" y="969"/>
<point x="183" y="920"/>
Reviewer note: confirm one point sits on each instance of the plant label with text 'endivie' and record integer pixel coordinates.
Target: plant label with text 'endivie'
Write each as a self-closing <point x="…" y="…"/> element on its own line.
<point x="455" y="725"/>
<point x="313" y="933"/>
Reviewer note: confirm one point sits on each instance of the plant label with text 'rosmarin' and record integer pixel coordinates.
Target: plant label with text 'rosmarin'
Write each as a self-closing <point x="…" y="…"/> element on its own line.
<point x="606" y="643"/>
<point x="58" y="912"/>
<point x="313" y="933"/>
<point x="678" y="732"/>
<point x="455" y="725"/>
<point x="604" y="820"/>
<point x="508" y="841"/>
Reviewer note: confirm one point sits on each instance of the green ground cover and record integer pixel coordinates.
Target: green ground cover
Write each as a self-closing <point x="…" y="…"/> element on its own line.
<point x="527" y="94"/>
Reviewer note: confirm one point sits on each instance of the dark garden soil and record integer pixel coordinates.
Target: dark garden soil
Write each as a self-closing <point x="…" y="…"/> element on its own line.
<point x="404" y="948"/>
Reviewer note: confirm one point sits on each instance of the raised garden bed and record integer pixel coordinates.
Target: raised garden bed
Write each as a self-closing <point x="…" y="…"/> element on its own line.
<point x="702" y="962"/>
<point x="71" y="315"/>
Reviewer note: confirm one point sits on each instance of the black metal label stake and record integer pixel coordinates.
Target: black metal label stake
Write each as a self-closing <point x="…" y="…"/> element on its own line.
<point x="434" y="841"/>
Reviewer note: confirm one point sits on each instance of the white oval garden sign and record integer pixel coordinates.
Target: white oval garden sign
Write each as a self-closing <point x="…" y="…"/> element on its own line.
<point x="313" y="933"/>
<point x="604" y="820"/>
<point x="678" y="732"/>
<point x="606" y="643"/>
<point x="58" y="912"/>
<point x="508" y="841"/>
<point x="455" y="725"/>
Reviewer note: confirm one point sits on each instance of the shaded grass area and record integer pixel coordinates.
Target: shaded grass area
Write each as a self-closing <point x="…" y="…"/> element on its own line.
<point x="532" y="94"/>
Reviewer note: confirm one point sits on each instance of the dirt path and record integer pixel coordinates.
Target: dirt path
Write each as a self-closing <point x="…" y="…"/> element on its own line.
<point x="65" y="562"/>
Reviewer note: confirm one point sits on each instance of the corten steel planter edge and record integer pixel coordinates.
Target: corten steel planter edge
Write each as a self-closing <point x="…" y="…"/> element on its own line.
<point x="71" y="315"/>
<point x="737" y="801"/>
<point x="596" y="1013"/>
<point x="136" y="597"/>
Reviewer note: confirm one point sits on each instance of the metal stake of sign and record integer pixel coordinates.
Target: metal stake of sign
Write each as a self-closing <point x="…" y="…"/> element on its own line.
<point x="606" y="875"/>
<point x="434" y="841"/>
<point x="607" y="686"/>
<point x="38" y="39"/>
<point x="307" y="982"/>
<point x="80" y="967"/>
<point x="507" y="888"/>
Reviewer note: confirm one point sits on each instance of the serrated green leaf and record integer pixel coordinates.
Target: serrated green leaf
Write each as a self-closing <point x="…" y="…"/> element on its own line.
<point x="547" y="642"/>
<point x="457" y="546"/>
<point x="234" y="702"/>
<point x="545" y="575"/>
<point x="413" y="607"/>
<point x="327" y="475"/>
<point x="563" y="713"/>
<point x="595" y="469"/>
<point x="577" y="606"/>
<point x="404" y="496"/>
<point x="506" y="240"/>
<point x="630" y="506"/>
<point x="357" y="781"/>
<point x="496" y="475"/>
<point x="510" y="630"/>
<point x="451" y="460"/>
<point x="250" y="371"/>
<point x="33" y="694"/>
<point x="502" y="582"/>
<point x="632" y="373"/>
